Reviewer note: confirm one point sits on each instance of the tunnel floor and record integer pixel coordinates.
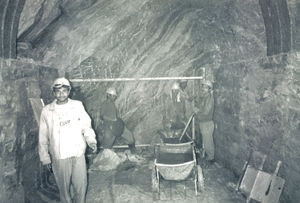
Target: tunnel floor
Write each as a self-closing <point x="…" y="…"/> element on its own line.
<point x="131" y="182"/>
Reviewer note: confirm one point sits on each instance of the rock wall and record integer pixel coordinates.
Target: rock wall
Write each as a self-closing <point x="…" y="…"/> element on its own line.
<point x="35" y="17"/>
<point x="19" y="165"/>
<point x="10" y="12"/>
<point x="294" y="11"/>
<point x="258" y="109"/>
<point x="256" y="96"/>
<point x="115" y="39"/>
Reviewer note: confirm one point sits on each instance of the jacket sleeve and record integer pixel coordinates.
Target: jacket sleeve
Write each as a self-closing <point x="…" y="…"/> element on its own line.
<point x="44" y="140"/>
<point x="207" y="108"/>
<point x="87" y="130"/>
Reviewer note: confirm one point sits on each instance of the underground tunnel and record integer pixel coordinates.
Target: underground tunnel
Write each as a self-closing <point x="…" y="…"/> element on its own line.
<point x="245" y="52"/>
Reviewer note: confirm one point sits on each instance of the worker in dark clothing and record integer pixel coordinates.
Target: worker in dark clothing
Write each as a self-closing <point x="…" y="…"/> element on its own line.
<point x="112" y="125"/>
<point x="174" y="117"/>
<point x="187" y="97"/>
<point x="205" y="118"/>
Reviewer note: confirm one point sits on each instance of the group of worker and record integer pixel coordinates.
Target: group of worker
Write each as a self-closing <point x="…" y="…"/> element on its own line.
<point x="181" y="104"/>
<point x="66" y="129"/>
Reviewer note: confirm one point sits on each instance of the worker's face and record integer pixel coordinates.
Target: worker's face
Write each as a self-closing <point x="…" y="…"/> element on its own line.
<point x="205" y="88"/>
<point x="183" y="85"/>
<point x="175" y="92"/>
<point x="112" y="97"/>
<point x="62" y="95"/>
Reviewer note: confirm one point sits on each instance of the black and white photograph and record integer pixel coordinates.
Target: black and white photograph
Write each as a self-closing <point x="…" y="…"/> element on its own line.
<point x="149" y="101"/>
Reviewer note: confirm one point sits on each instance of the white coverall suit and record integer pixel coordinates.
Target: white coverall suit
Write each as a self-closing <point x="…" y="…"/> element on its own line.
<point x="63" y="134"/>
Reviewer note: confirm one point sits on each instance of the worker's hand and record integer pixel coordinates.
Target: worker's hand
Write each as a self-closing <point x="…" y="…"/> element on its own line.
<point x="101" y="122"/>
<point x="169" y="124"/>
<point x="93" y="146"/>
<point x="196" y="110"/>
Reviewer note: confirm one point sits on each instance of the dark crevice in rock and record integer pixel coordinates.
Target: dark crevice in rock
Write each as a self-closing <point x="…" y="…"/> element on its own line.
<point x="278" y="26"/>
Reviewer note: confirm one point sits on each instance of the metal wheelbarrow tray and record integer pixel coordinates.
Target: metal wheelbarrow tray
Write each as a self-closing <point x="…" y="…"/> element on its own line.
<point x="175" y="162"/>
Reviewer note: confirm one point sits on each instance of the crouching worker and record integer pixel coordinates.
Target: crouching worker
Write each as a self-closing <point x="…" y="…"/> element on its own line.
<point x="65" y="128"/>
<point x="112" y="125"/>
<point x="174" y="116"/>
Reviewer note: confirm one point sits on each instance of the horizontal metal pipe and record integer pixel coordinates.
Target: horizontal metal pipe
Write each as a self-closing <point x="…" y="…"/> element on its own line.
<point x="136" y="79"/>
<point x="149" y="145"/>
<point x="126" y="146"/>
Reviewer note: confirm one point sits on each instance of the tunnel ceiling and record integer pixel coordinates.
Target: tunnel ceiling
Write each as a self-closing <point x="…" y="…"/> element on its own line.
<point x="10" y="12"/>
<point x="113" y="38"/>
<point x="128" y="28"/>
<point x="38" y="15"/>
<point x="277" y="24"/>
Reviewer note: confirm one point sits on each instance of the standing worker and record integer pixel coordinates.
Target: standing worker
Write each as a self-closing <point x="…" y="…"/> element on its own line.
<point x="65" y="128"/>
<point x="205" y="117"/>
<point x="112" y="125"/>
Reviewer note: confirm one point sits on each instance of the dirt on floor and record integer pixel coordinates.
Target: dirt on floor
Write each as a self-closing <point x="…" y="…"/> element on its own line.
<point x="132" y="182"/>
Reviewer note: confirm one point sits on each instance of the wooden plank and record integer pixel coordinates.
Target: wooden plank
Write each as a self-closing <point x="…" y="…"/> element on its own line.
<point x="275" y="192"/>
<point x="248" y="180"/>
<point x="262" y="183"/>
<point x="271" y="185"/>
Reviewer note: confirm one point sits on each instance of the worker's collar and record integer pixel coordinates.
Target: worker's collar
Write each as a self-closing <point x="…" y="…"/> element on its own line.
<point x="53" y="104"/>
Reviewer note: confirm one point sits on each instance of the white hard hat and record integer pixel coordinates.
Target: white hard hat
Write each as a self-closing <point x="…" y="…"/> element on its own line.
<point x="111" y="91"/>
<point x="175" y="86"/>
<point x="59" y="82"/>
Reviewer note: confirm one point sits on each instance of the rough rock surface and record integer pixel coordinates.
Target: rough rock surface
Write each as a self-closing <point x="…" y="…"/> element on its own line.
<point x="149" y="39"/>
<point x="19" y="163"/>
<point x="258" y="109"/>
<point x="29" y="14"/>
<point x="36" y="16"/>
<point x="257" y="97"/>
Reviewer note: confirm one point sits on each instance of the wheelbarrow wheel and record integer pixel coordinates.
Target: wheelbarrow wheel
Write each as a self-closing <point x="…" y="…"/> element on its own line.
<point x="200" y="178"/>
<point x="155" y="184"/>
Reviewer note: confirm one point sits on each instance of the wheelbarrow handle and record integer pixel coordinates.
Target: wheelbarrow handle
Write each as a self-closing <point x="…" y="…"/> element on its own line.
<point x="277" y="168"/>
<point x="272" y="177"/>
<point x="241" y="177"/>
<point x="186" y="126"/>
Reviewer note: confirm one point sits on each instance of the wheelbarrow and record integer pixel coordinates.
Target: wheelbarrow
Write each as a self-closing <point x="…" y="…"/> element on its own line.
<point x="176" y="162"/>
<point x="258" y="185"/>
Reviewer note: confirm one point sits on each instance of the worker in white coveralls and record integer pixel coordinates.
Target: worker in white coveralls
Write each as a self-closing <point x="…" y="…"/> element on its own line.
<point x="205" y="117"/>
<point x="112" y="125"/>
<point x="65" y="128"/>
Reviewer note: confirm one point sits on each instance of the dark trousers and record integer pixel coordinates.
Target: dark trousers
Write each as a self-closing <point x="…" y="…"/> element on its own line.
<point x="112" y="130"/>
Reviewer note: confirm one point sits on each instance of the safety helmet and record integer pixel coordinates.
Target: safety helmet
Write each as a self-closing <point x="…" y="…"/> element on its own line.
<point x="175" y="86"/>
<point x="111" y="91"/>
<point x="60" y="82"/>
